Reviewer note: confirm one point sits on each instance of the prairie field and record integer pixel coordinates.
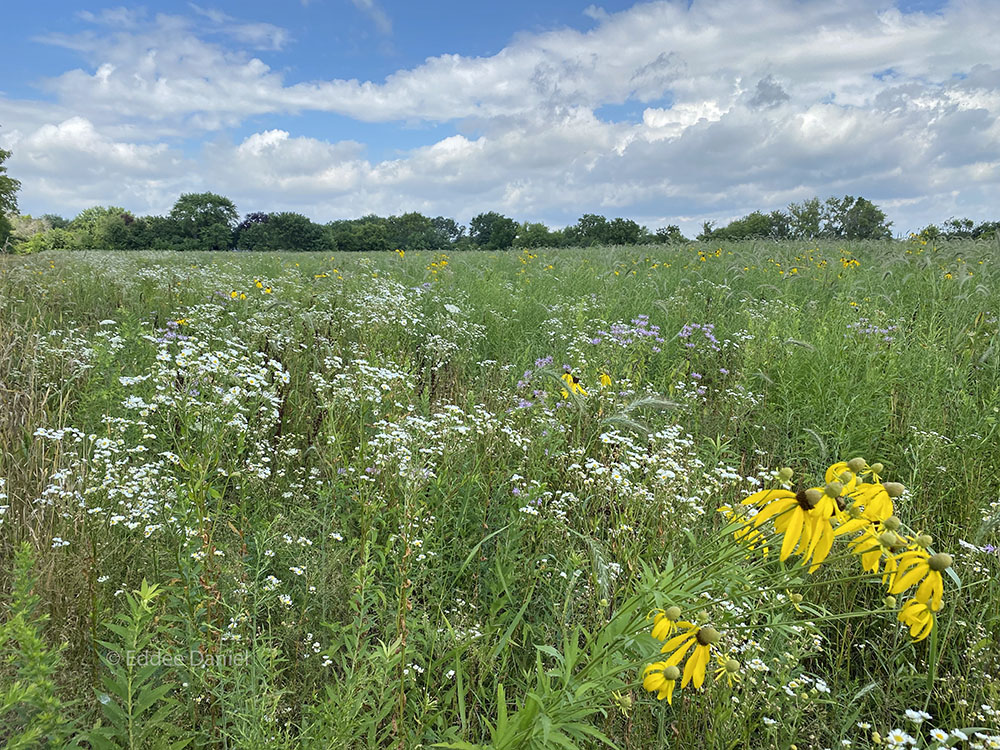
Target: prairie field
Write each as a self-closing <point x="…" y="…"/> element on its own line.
<point x="256" y="500"/>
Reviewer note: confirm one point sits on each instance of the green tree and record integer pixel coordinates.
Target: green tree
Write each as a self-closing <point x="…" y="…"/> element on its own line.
<point x="56" y="221"/>
<point x="805" y="219"/>
<point x="590" y="229"/>
<point x="369" y="234"/>
<point x="670" y="234"/>
<point x="249" y="221"/>
<point x="449" y="230"/>
<point x="987" y="229"/>
<point x="959" y="229"/>
<point x="283" y="232"/>
<point x="413" y="231"/>
<point x="8" y="198"/>
<point x="853" y="218"/>
<point x="493" y="231"/>
<point x="756" y="225"/>
<point x="102" y="228"/>
<point x="531" y="235"/>
<point x="203" y="221"/>
<point x="622" y="232"/>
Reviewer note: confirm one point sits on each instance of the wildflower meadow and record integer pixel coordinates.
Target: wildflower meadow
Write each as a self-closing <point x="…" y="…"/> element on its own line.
<point x="685" y="496"/>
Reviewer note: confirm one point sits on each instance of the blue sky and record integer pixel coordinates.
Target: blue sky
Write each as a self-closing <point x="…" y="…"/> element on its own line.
<point x="666" y="112"/>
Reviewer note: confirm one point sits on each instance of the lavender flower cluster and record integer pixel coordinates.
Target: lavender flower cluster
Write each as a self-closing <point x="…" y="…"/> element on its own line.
<point x="625" y="335"/>
<point x="864" y="327"/>
<point x="689" y="335"/>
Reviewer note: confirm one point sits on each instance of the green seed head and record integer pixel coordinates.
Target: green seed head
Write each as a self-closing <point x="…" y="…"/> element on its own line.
<point x="673" y="613"/>
<point x="703" y="616"/>
<point x="940" y="561"/>
<point x="833" y="489"/>
<point x="857" y="464"/>
<point x="892" y="523"/>
<point x="785" y="474"/>
<point x="708" y="636"/>
<point x="672" y="672"/>
<point x="732" y="666"/>
<point x="855" y="511"/>
<point x="893" y="489"/>
<point x="888" y="538"/>
<point x="890" y="602"/>
<point x="813" y="496"/>
<point x="796" y="598"/>
<point x="846" y="477"/>
<point x="925" y="540"/>
<point x="877" y="468"/>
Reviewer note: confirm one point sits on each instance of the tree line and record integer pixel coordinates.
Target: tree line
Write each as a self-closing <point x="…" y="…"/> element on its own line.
<point x="207" y="221"/>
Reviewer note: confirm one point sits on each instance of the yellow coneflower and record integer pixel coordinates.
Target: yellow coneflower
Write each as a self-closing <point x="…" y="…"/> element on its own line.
<point x="702" y="639"/>
<point x="919" y="617"/>
<point x="919" y="565"/>
<point x="667" y="622"/>
<point x="605" y="380"/>
<point x="661" y="678"/>
<point x="879" y="542"/>
<point x="572" y="385"/>
<point x="728" y="668"/>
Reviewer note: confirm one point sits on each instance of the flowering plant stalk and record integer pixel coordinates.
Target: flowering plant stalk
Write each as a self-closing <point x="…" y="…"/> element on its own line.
<point x="804" y="525"/>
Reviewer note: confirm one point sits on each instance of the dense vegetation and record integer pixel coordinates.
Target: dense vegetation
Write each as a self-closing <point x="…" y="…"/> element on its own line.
<point x="280" y="500"/>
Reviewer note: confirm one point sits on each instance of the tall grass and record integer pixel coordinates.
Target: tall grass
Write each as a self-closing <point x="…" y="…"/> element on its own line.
<point x="277" y="501"/>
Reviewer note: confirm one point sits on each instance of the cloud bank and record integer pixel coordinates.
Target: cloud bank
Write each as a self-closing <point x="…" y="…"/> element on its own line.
<point x="662" y="113"/>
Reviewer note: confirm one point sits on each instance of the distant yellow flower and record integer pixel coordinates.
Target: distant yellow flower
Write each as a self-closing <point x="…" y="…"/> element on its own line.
<point x="605" y="380"/>
<point x="919" y="617"/>
<point x="573" y="385"/>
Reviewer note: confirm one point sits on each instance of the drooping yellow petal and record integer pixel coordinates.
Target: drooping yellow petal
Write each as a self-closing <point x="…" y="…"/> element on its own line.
<point x="902" y="581"/>
<point x="792" y="534"/>
<point x="833" y="472"/>
<point x="822" y="545"/>
<point x="701" y="658"/>
<point x="931" y="591"/>
<point x="677" y="640"/>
